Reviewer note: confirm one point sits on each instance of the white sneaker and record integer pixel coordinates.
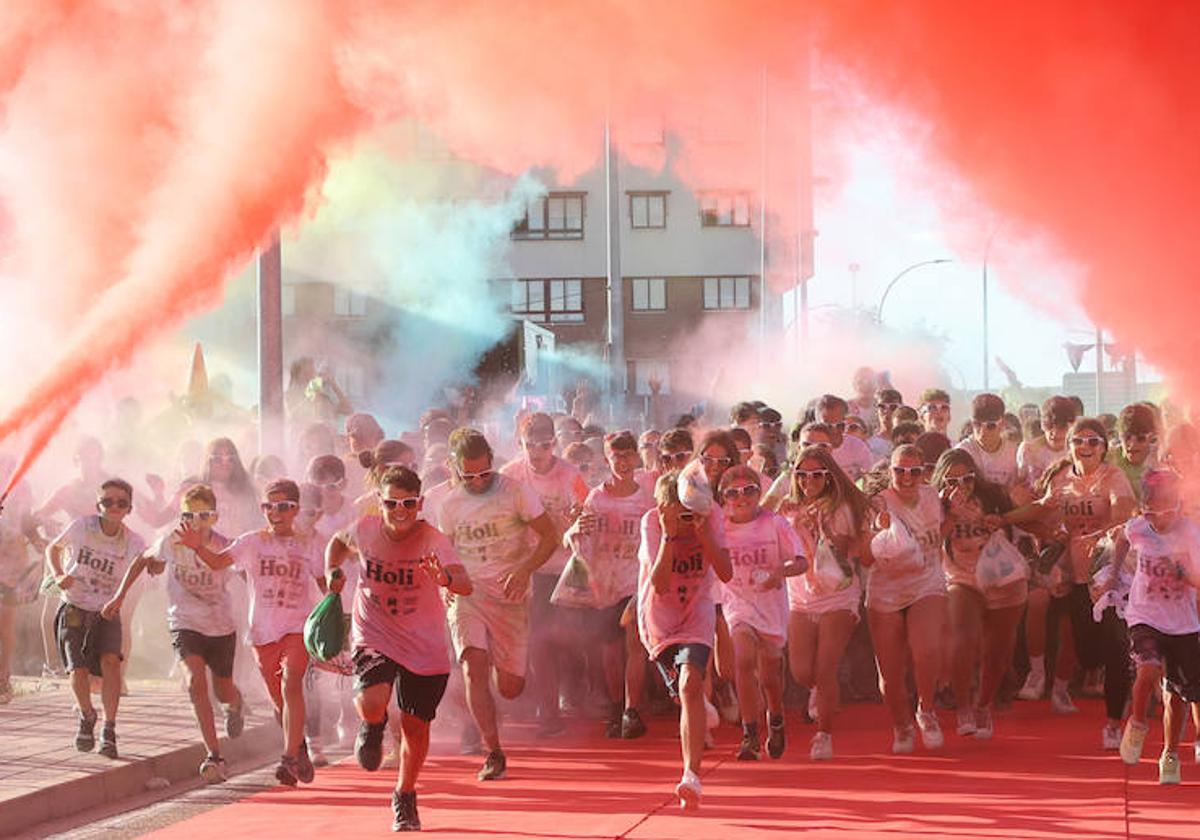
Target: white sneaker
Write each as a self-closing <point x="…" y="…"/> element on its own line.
<point x="1196" y="750"/>
<point x="689" y="790"/>
<point x="904" y="739"/>
<point x="984" y="728"/>
<point x="1133" y="741"/>
<point x="822" y="747"/>
<point x="1060" y="701"/>
<point x="931" y="730"/>
<point x="1110" y="736"/>
<point x="966" y="722"/>
<point x="1035" y="685"/>
<point x="212" y="770"/>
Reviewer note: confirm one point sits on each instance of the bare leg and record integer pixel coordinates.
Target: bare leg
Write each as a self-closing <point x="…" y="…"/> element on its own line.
<point x="8" y="636"/>
<point x="749" y="693"/>
<point x="999" y="641"/>
<point x="890" y="634"/>
<point x="1174" y="717"/>
<point x="802" y="648"/>
<point x="49" y="645"/>
<point x="197" y="677"/>
<point x="81" y="687"/>
<point x="1148" y="677"/>
<point x="836" y="628"/>
<point x="691" y="718"/>
<point x="414" y="746"/>
<point x="477" y="671"/>
<point x="293" y="707"/>
<point x="966" y="634"/>
<point x="926" y="635"/>
<point x="110" y="692"/>
<point x="1035" y="621"/>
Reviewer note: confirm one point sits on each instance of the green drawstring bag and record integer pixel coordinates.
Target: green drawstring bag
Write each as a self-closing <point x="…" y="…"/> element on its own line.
<point x="325" y="628"/>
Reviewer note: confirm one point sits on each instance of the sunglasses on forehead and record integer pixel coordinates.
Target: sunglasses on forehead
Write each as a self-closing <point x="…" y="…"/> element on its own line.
<point x="278" y="507"/>
<point x="110" y="502"/>
<point x="201" y="515"/>
<point x="408" y="504"/>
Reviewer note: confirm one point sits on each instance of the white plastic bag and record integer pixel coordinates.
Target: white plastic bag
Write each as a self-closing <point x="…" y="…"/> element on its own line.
<point x="1000" y="563"/>
<point x="694" y="490"/>
<point x="895" y="548"/>
<point x="574" y="587"/>
<point x="1117" y="596"/>
<point x="826" y="574"/>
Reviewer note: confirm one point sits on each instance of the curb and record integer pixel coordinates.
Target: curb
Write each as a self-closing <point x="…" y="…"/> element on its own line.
<point x="109" y="787"/>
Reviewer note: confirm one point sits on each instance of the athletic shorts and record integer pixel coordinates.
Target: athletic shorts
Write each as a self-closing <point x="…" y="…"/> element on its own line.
<point x="284" y="657"/>
<point x="674" y="657"/>
<point x="416" y="694"/>
<point x="499" y="627"/>
<point x="84" y="636"/>
<point x="1178" y="656"/>
<point x="216" y="651"/>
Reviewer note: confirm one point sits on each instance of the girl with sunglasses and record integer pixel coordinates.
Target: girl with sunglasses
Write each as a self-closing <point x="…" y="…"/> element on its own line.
<point x="764" y="551"/>
<point x="983" y="622"/>
<point x="824" y="506"/>
<point x="906" y="600"/>
<point x="1085" y="496"/>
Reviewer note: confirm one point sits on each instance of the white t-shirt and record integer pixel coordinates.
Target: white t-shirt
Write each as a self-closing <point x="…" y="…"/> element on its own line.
<point x="559" y="489"/>
<point x="893" y="586"/>
<point x="685" y="612"/>
<point x="999" y="467"/>
<point x="611" y="551"/>
<point x="1161" y="594"/>
<point x="854" y="457"/>
<point x="881" y="447"/>
<point x="96" y="561"/>
<point x="490" y="530"/>
<point x="197" y="596"/>
<point x="1033" y="456"/>
<point x="281" y="573"/>
<point x="757" y="549"/>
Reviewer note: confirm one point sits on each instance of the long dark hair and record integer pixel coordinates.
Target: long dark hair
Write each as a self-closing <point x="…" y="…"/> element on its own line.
<point x="1089" y="424"/>
<point x="992" y="497"/>
<point x="839" y="489"/>
<point x="239" y="480"/>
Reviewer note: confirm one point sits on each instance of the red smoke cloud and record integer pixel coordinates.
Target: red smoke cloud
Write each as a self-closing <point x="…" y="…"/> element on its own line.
<point x="147" y="149"/>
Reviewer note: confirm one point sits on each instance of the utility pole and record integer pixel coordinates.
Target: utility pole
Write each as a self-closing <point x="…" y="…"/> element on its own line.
<point x="762" y="234"/>
<point x="615" y="296"/>
<point x="270" y="349"/>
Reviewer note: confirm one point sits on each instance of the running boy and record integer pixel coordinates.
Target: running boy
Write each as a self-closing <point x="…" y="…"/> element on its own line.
<point x="88" y="561"/>
<point x="398" y="636"/>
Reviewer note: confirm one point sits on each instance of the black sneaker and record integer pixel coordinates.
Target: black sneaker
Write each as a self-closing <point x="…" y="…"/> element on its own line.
<point x="494" y="767"/>
<point x="286" y="770"/>
<point x="108" y="741"/>
<point x="750" y="749"/>
<point x="235" y="721"/>
<point x="304" y="765"/>
<point x="85" y="736"/>
<point x="776" y="739"/>
<point x="612" y="725"/>
<point x="368" y="745"/>
<point x="632" y="725"/>
<point x="404" y="805"/>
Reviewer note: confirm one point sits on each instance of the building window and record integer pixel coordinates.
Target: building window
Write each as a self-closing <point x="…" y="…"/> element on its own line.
<point x="726" y="292"/>
<point x="725" y="209"/>
<point x="348" y="303"/>
<point x="649" y="294"/>
<point x="646" y="370"/>
<point x="648" y="210"/>
<point x="557" y="216"/>
<point x="549" y="301"/>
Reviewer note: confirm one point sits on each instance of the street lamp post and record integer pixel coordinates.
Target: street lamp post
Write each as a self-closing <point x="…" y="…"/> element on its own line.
<point x="896" y="279"/>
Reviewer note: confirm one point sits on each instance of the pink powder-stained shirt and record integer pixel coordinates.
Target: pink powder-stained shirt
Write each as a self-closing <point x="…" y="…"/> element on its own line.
<point x="756" y="549"/>
<point x="398" y="609"/>
<point x="281" y="573"/>
<point x="1162" y="595"/>
<point x="1085" y="503"/>
<point x="611" y="551"/>
<point x="559" y="489"/>
<point x="685" y="612"/>
<point x="891" y="586"/>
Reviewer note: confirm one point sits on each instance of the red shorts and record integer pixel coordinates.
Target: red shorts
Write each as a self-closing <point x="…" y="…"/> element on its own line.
<point x="285" y="657"/>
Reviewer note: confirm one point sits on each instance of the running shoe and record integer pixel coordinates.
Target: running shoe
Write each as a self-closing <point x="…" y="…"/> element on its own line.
<point x="1168" y="768"/>
<point x="1035" y="685"/>
<point x="368" y="746"/>
<point x="317" y="751"/>
<point x="689" y="791"/>
<point x="904" y="739"/>
<point x="983" y="724"/>
<point x="750" y="749"/>
<point x="1133" y="741"/>
<point x="822" y="747"/>
<point x="776" y="738"/>
<point x="285" y="771"/>
<point x="632" y="725"/>
<point x="404" y="805"/>
<point x="1060" y="701"/>
<point x="612" y="726"/>
<point x="108" y="740"/>
<point x="212" y="769"/>
<point x="495" y="766"/>
<point x="304" y="765"/>
<point x="235" y="721"/>
<point x="966" y="722"/>
<point x="931" y="730"/>
<point x="85" y="735"/>
<point x="1110" y="737"/>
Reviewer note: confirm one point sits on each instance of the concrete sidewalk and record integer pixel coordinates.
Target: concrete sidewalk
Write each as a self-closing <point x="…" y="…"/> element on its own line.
<point x="43" y="776"/>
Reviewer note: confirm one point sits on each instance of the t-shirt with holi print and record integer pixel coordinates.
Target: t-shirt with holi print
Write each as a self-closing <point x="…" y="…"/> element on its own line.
<point x="398" y="610"/>
<point x="893" y="585"/>
<point x="197" y="596"/>
<point x="611" y="550"/>
<point x="685" y="612"/>
<point x="999" y="467"/>
<point x="802" y="596"/>
<point x="490" y="531"/>
<point x="854" y="457"/>
<point x="560" y="489"/>
<point x="968" y="535"/>
<point x="1162" y="595"/>
<point x="1033" y="457"/>
<point x="281" y="573"/>
<point x="1085" y="505"/>
<point x="757" y="549"/>
<point x="96" y="561"/>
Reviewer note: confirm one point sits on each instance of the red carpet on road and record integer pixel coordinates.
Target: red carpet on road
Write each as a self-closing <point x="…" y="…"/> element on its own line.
<point x="1042" y="776"/>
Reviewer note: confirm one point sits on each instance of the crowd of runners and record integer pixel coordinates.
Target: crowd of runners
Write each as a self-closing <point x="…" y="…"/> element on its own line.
<point x="746" y="563"/>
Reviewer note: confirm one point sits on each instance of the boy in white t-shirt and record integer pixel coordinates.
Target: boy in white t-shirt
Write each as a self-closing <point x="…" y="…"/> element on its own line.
<point x="88" y="561"/>
<point x="200" y="618"/>
<point x="1164" y="627"/>
<point x="283" y="570"/>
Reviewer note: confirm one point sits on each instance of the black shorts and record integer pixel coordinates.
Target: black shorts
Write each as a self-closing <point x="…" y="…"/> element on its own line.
<point x="1178" y="656"/>
<point x="84" y="636"/>
<point x="672" y="660"/>
<point x="416" y="694"/>
<point x="607" y="621"/>
<point x="216" y="651"/>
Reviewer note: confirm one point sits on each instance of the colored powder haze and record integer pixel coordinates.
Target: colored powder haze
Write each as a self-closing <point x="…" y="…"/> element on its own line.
<point x="147" y="149"/>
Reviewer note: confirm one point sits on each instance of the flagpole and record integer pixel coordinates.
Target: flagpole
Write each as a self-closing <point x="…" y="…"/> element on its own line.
<point x="1099" y="371"/>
